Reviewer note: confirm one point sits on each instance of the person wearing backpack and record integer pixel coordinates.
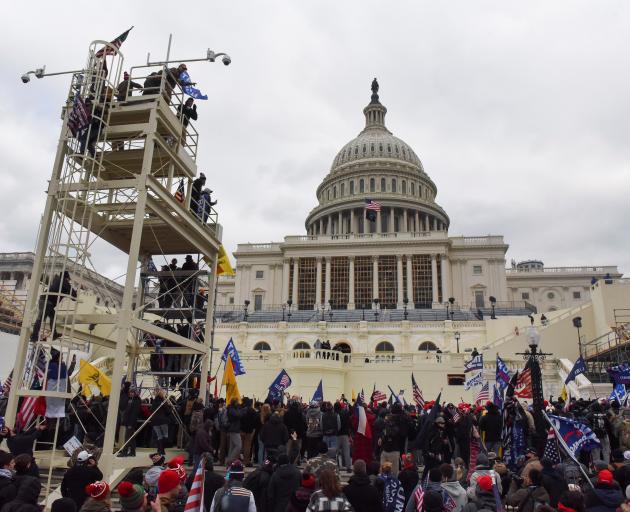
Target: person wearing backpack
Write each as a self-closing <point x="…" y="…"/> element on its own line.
<point x="331" y="423"/>
<point x="314" y="431"/>
<point x="389" y="444"/>
<point x="233" y="496"/>
<point x="601" y="426"/>
<point x="258" y="482"/>
<point x="530" y="496"/>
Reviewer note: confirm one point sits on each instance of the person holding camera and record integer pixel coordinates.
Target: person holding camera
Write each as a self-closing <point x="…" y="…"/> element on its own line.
<point x="79" y="476"/>
<point x="527" y="493"/>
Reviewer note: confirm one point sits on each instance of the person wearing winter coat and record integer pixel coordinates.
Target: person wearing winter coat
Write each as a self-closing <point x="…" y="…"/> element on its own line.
<point x="295" y="422"/>
<point x="302" y="495"/>
<point x="129" y="420"/>
<point x="8" y="489"/>
<point x="453" y="487"/>
<point x="553" y="482"/>
<point x="274" y="434"/>
<point x="363" y="447"/>
<point x="481" y="469"/>
<point x="79" y="476"/>
<point x="314" y="431"/>
<point x="234" y="414"/>
<point x="99" y="498"/>
<point x="490" y="427"/>
<point x="26" y="497"/>
<point x="159" y="421"/>
<point x="483" y="497"/>
<point x="202" y="442"/>
<point x="329" y="496"/>
<point x="258" y="483"/>
<point x="249" y="423"/>
<point x="530" y="496"/>
<point x="409" y="476"/>
<point x="606" y="495"/>
<point x="361" y="494"/>
<point x="284" y="482"/>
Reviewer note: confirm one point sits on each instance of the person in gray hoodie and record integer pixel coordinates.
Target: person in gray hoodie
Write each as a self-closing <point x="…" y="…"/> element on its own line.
<point x="482" y="468"/>
<point x="453" y="487"/>
<point x="314" y="432"/>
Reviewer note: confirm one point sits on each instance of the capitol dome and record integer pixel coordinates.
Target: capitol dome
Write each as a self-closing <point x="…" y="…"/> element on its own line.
<point x="376" y="166"/>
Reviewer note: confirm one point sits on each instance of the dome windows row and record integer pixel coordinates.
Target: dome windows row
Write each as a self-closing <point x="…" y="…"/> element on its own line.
<point x="357" y="150"/>
<point x="365" y="185"/>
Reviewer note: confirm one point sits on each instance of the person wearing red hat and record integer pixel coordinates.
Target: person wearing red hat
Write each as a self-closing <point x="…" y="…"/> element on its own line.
<point x="483" y="497"/>
<point x="302" y="495"/>
<point x="605" y="496"/>
<point x="99" y="499"/>
<point x="177" y="465"/>
<point x="169" y="484"/>
<point x="126" y="85"/>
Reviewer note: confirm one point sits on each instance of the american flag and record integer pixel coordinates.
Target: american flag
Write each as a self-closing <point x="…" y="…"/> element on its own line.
<point x="377" y="396"/>
<point x="79" y="117"/>
<point x="32" y="405"/>
<point x="417" y="394"/>
<point x="454" y="413"/>
<point x="523" y="388"/>
<point x="116" y="43"/>
<point x="418" y="495"/>
<point x="194" y="503"/>
<point x="370" y="204"/>
<point x="484" y="394"/>
<point x="448" y="504"/>
<point x="551" y="448"/>
<point x="179" y="194"/>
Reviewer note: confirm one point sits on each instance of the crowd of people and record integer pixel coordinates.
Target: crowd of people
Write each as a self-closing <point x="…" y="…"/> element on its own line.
<point x="442" y="457"/>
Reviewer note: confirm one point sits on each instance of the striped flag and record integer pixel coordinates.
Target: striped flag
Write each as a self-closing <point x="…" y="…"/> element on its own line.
<point x="363" y="427"/>
<point x="551" y="448"/>
<point x="371" y="207"/>
<point x="448" y="504"/>
<point x="377" y="396"/>
<point x="523" y="387"/>
<point x="418" y="496"/>
<point x="484" y="394"/>
<point x="417" y="394"/>
<point x="194" y="503"/>
<point x="79" y="117"/>
<point x="116" y="43"/>
<point x="33" y="406"/>
<point x="179" y="194"/>
<point x="361" y="397"/>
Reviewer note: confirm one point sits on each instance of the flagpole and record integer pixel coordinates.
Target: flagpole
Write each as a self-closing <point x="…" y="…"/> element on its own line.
<point x="566" y="448"/>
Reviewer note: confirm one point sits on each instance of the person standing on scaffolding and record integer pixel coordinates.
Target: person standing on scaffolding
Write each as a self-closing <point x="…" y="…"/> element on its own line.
<point x="48" y="302"/>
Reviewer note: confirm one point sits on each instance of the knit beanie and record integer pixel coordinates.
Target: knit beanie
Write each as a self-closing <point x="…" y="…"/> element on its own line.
<point x="168" y="480"/>
<point x="97" y="490"/>
<point x="131" y="495"/>
<point x="63" y="505"/>
<point x="177" y="464"/>
<point x="485" y="483"/>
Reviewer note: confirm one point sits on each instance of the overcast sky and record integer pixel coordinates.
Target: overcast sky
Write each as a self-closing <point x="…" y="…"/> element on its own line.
<point x="519" y="111"/>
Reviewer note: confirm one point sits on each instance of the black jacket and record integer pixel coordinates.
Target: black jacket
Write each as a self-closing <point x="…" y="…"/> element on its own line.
<point x="554" y="484"/>
<point x="282" y="485"/>
<point x="75" y="480"/>
<point x="7" y="490"/>
<point x="274" y="433"/>
<point x="23" y="442"/>
<point x="132" y="412"/>
<point x="258" y="483"/>
<point x="26" y="497"/>
<point x="604" y="498"/>
<point x="362" y="495"/>
<point x="234" y="414"/>
<point x="161" y="416"/>
<point x="294" y="420"/>
<point x="249" y="421"/>
<point x="203" y="439"/>
<point x="408" y="479"/>
<point x="490" y="423"/>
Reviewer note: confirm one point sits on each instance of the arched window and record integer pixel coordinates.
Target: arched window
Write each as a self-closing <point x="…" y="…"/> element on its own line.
<point x="384" y="346"/>
<point x="301" y="345"/>
<point x="262" y="345"/>
<point x="404" y="187"/>
<point x="356" y="150"/>
<point x="394" y="185"/>
<point x="427" y="346"/>
<point x="343" y="347"/>
<point x="413" y="188"/>
<point x="372" y="185"/>
<point x="383" y="185"/>
<point x="361" y="186"/>
<point x="342" y="190"/>
<point x="335" y="192"/>
<point x="329" y="194"/>
<point x="352" y="187"/>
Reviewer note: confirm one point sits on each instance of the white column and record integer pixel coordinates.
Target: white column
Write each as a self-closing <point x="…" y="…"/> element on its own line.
<point x="417" y="225"/>
<point x="294" y="294"/>
<point x="321" y="226"/>
<point x="410" y="280"/>
<point x="446" y="277"/>
<point x="353" y="228"/>
<point x="318" y="283"/>
<point x="375" y="276"/>
<point x="391" y="220"/>
<point x="378" y="221"/>
<point x="351" y="282"/>
<point x="435" y="224"/>
<point x="434" y="281"/>
<point x="329" y="225"/>
<point x="327" y="282"/>
<point x="285" y="281"/>
<point x="426" y="223"/>
<point x="405" y="221"/>
<point x="399" y="281"/>
<point x="340" y="224"/>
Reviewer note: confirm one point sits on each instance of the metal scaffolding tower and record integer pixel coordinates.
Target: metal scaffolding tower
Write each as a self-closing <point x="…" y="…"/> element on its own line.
<point x="119" y="179"/>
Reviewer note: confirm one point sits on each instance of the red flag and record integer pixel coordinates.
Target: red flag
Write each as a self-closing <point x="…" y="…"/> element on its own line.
<point x="523" y="388"/>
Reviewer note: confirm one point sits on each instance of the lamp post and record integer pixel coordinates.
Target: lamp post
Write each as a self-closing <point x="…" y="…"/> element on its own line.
<point x="284" y="307"/>
<point x="577" y="323"/>
<point x="405" y="313"/>
<point x="457" y="337"/>
<point x="533" y="357"/>
<point x="289" y="304"/>
<point x="493" y="302"/>
<point x="447" y="304"/>
<point x="375" y="301"/>
<point x="245" y="313"/>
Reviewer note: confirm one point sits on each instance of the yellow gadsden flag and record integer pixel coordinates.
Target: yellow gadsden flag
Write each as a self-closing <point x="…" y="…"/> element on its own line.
<point x="91" y="376"/>
<point x="563" y="394"/>
<point x="224" y="267"/>
<point x="229" y="381"/>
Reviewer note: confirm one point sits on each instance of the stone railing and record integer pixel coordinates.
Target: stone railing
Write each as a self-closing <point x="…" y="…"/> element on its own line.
<point x="402" y="236"/>
<point x="273" y="246"/>
<point x="462" y="241"/>
<point x="564" y="270"/>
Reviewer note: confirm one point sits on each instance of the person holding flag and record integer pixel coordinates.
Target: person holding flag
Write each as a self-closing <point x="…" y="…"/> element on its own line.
<point x="362" y="422"/>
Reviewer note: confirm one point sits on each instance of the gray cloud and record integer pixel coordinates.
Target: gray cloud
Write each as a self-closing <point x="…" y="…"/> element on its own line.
<point x="519" y="112"/>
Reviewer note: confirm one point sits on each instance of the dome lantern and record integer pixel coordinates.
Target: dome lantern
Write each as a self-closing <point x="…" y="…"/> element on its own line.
<point x="375" y="111"/>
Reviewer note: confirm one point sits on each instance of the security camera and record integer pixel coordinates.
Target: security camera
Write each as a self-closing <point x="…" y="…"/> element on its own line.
<point x="26" y="79"/>
<point x="226" y="60"/>
<point x="39" y="72"/>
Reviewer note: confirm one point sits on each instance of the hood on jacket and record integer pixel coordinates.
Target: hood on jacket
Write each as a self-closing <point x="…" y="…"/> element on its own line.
<point x="454" y="488"/>
<point x="609" y="496"/>
<point x="29" y="490"/>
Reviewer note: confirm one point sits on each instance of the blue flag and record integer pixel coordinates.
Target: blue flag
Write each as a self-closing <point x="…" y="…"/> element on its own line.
<point x="619" y="394"/>
<point x="230" y="349"/>
<point x="476" y="380"/>
<point x="503" y="374"/>
<point x="575" y="435"/>
<point x="578" y="369"/>
<point x="620" y="373"/>
<point x="318" y="396"/>
<point x="394" y="395"/>
<point x="393" y="494"/>
<point x="184" y="78"/>
<point x="476" y="363"/>
<point x="281" y="382"/>
<point x="498" y="396"/>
